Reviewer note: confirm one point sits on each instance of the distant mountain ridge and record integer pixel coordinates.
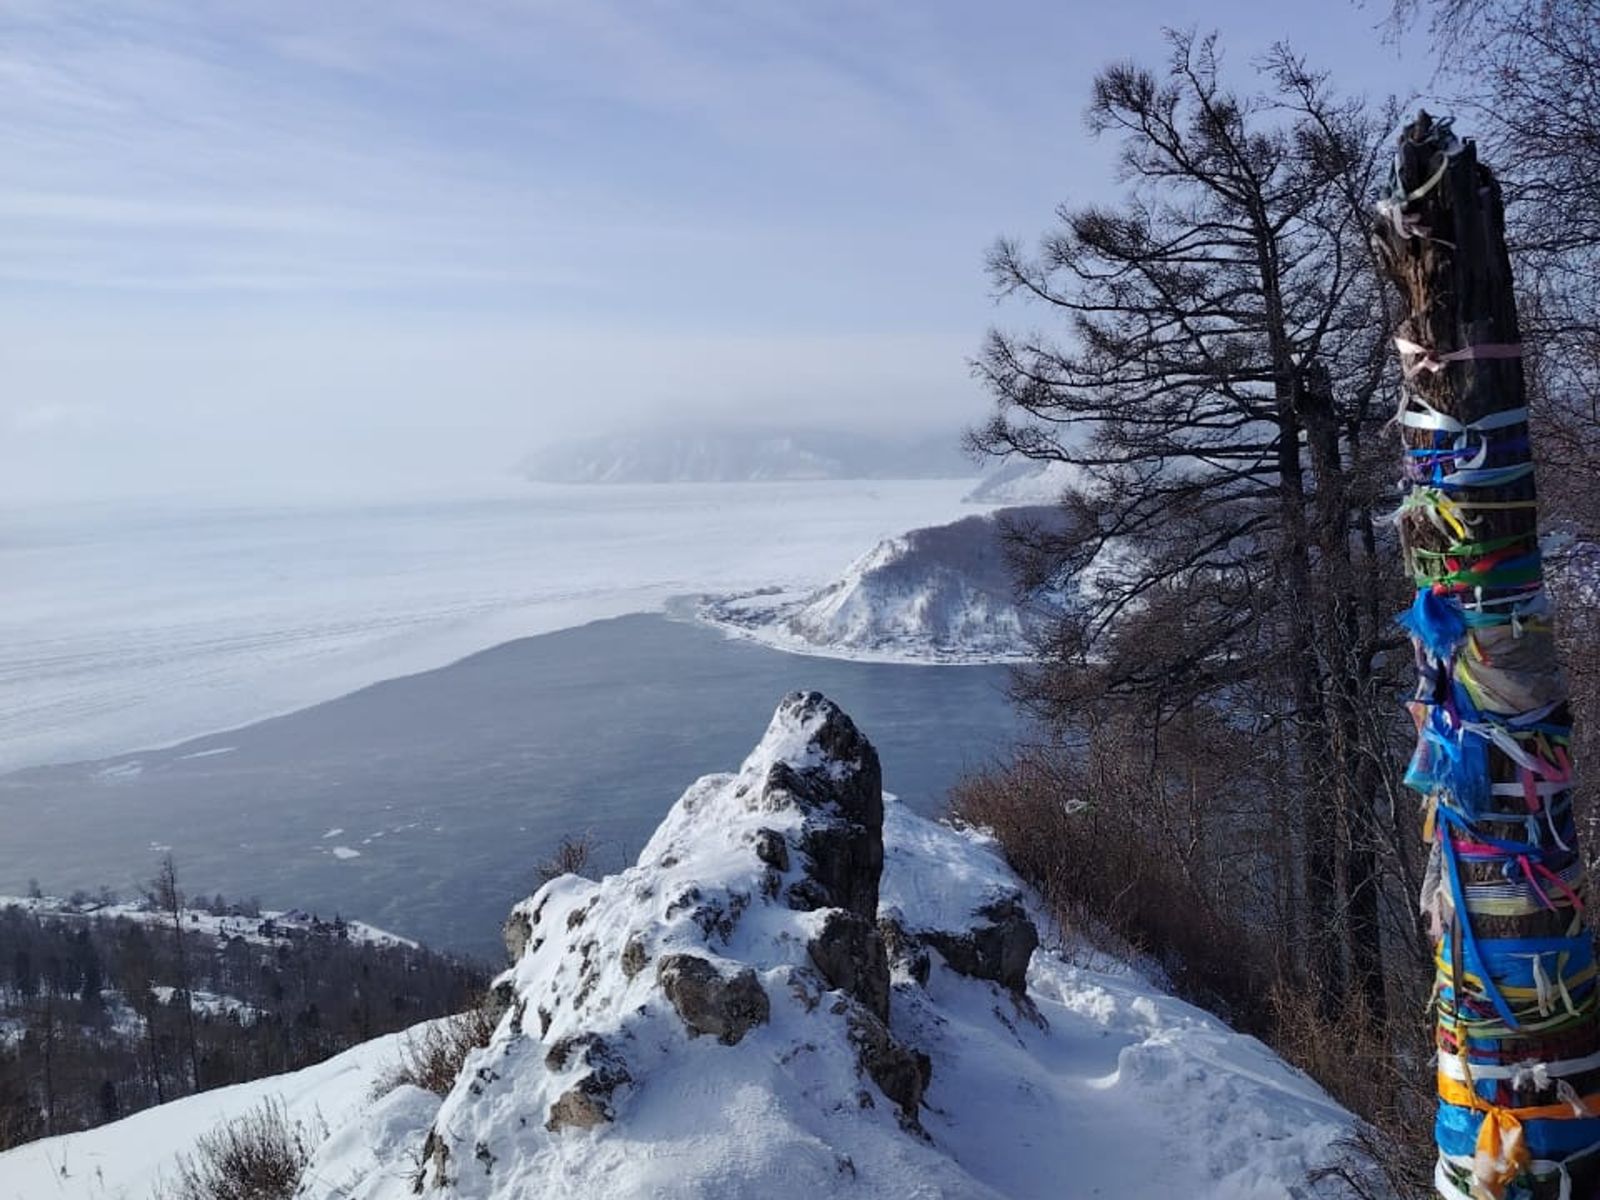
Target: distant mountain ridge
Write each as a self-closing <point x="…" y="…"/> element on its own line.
<point x="744" y="456"/>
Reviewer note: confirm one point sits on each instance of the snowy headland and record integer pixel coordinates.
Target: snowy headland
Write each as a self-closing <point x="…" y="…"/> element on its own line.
<point x="939" y="594"/>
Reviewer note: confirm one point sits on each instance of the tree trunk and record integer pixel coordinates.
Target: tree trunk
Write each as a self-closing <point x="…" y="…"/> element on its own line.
<point x="1515" y="996"/>
<point x="1351" y="783"/>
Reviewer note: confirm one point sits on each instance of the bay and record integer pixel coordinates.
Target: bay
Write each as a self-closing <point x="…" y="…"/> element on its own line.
<point x="425" y="804"/>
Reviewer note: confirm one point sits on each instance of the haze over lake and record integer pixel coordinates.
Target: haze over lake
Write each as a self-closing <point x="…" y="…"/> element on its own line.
<point x="130" y="625"/>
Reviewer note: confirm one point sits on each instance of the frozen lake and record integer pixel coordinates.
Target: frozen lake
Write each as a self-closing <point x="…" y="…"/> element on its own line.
<point x="131" y="625"/>
<point x="326" y="748"/>
<point x="424" y="804"/>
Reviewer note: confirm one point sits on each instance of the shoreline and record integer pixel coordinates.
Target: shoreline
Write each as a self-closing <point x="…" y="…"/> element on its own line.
<point x="137" y="630"/>
<point x="682" y="609"/>
<point x="424" y="803"/>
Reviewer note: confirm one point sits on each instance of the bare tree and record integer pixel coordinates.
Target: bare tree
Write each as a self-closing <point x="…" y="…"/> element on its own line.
<point x="170" y="900"/>
<point x="1216" y="388"/>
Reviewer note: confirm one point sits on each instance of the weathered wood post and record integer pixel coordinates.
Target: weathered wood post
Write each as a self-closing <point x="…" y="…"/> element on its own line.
<point x="1515" y="995"/>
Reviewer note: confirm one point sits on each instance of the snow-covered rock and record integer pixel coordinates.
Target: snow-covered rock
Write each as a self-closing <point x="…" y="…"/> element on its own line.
<point x="800" y="990"/>
<point x="945" y="593"/>
<point x="724" y="1019"/>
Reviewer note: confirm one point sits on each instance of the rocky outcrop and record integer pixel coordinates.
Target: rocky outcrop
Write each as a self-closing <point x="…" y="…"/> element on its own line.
<point x="998" y="945"/>
<point x="600" y="1072"/>
<point x="731" y="1017"/>
<point x="850" y="953"/>
<point x="759" y="892"/>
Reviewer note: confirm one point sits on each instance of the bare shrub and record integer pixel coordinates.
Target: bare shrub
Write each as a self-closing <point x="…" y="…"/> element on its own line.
<point x="259" y="1156"/>
<point x="432" y="1059"/>
<point x="570" y="857"/>
<point x="1096" y="846"/>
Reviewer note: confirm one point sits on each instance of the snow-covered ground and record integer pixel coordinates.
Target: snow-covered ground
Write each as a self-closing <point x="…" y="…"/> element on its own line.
<point x="135" y="1158"/>
<point x="136" y="625"/>
<point x="941" y="594"/>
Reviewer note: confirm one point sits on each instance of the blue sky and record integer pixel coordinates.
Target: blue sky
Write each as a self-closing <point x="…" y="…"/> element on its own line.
<point x="391" y="239"/>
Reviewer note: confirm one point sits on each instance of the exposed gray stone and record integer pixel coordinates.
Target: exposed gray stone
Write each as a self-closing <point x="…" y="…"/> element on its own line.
<point x="905" y="950"/>
<point x="772" y="849"/>
<point x="517" y="933"/>
<point x="708" y="1002"/>
<point x="850" y="954"/>
<point x="634" y="958"/>
<point x="587" y="1102"/>
<point x="901" y="1074"/>
<point x="998" y="948"/>
<point x="842" y="799"/>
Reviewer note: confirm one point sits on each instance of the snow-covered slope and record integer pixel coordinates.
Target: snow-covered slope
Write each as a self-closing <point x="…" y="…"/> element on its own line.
<point x="939" y="594"/>
<point x="136" y="1158"/>
<point x="800" y="990"/>
<point x="730" y="456"/>
<point x="726" y="1019"/>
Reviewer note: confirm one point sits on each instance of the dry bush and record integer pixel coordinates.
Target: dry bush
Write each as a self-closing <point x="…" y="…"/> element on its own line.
<point x="1094" y="849"/>
<point x="1383" y="1073"/>
<point x="571" y="856"/>
<point x="432" y="1059"/>
<point x="259" y="1156"/>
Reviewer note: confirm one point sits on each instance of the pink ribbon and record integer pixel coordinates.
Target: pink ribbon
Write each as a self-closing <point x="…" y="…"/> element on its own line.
<point x="1431" y="360"/>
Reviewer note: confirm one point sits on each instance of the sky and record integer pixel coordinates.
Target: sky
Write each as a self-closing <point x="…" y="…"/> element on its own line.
<point x="310" y="243"/>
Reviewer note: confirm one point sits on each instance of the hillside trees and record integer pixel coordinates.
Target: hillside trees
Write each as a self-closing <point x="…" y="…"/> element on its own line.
<point x="1216" y="378"/>
<point x="98" y="1023"/>
<point x="165" y="892"/>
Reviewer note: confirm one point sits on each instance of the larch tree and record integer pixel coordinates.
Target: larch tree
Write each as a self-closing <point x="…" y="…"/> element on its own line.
<point x="170" y="899"/>
<point x="1214" y="385"/>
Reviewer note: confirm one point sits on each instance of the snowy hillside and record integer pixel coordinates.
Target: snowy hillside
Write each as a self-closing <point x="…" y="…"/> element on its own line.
<point x="800" y="990"/>
<point x="939" y="594"/>
<point x="743" y="456"/>
<point x="136" y="1158"/>
<point x="261" y="928"/>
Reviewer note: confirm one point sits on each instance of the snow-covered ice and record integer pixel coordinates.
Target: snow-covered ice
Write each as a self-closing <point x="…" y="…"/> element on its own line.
<point x="139" y="625"/>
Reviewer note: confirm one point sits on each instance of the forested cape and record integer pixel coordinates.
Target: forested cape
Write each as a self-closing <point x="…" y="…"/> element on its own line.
<point x="102" y="1015"/>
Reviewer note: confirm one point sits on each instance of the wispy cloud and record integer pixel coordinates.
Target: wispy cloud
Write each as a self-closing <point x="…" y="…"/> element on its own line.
<point x="225" y="225"/>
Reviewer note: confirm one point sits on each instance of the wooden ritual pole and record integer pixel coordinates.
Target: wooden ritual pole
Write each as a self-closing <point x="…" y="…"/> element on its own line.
<point x="1515" y="996"/>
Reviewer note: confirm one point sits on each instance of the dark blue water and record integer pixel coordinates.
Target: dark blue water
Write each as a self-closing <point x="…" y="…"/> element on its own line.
<point x="453" y="785"/>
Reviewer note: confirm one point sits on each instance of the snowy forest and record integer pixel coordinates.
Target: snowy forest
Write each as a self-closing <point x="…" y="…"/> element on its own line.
<point x="104" y="1012"/>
